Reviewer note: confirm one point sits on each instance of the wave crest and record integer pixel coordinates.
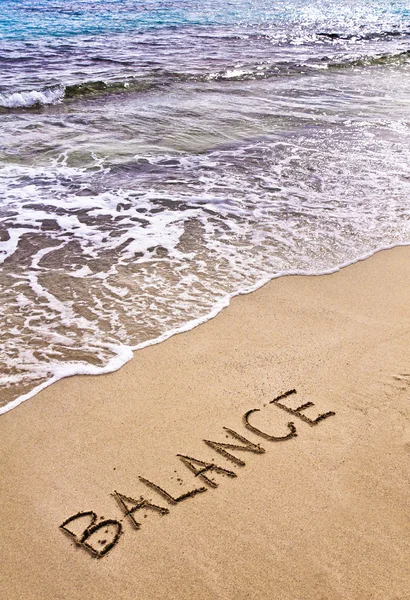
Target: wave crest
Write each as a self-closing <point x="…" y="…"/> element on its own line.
<point x="91" y="89"/>
<point x="32" y="98"/>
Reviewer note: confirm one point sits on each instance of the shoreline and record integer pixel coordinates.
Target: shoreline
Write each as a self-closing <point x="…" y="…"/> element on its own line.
<point x="128" y="352"/>
<point x="319" y="514"/>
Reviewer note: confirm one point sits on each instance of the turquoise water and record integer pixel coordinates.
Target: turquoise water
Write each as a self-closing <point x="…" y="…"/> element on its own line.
<point x="23" y="19"/>
<point x="46" y="45"/>
<point x="157" y="158"/>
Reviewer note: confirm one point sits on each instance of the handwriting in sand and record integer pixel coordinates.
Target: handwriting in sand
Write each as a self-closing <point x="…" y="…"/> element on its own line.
<point x="101" y="535"/>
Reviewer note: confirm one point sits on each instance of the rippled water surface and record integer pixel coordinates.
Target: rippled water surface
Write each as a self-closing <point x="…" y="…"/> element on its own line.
<point x="158" y="157"/>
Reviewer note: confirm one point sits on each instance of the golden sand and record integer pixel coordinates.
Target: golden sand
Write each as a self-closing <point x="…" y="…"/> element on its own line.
<point x="308" y="511"/>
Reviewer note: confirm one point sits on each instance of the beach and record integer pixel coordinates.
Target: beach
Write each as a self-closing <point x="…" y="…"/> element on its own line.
<point x="319" y="510"/>
<point x="156" y="162"/>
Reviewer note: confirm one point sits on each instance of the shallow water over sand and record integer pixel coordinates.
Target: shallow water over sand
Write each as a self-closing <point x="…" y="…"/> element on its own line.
<point x="147" y="175"/>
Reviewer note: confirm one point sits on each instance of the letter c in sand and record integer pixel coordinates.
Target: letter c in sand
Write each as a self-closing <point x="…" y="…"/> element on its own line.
<point x="272" y="438"/>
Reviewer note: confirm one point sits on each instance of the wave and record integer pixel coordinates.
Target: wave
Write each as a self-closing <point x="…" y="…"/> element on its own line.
<point x="268" y="71"/>
<point x="92" y="89"/>
<point x="50" y="95"/>
<point x="370" y="36"/>
<point x="57" y="93"/>
<point x="398" y="58"/>
<point x="89" y="89"/>
<point x="95" y="88"/>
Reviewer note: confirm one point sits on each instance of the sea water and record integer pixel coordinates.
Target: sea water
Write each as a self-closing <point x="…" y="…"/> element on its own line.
<point x="158" y="157"/>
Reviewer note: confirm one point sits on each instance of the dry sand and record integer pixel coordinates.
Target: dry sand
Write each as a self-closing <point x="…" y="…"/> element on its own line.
<point x="322" y="515"/>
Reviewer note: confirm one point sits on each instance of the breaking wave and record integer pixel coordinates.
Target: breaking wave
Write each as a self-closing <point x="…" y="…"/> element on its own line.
<point x="265" y="70"/>
<point x="32" y="98"/>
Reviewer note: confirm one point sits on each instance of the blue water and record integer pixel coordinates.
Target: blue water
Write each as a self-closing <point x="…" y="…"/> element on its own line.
<point x="157" y="158"/>
<point x="23" y="19"/>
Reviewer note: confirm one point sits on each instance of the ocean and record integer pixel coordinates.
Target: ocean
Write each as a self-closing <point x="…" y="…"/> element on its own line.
<point x="159" y="157"/>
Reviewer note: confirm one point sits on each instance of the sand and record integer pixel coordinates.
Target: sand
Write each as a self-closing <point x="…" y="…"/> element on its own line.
<point x="320" y="515"/>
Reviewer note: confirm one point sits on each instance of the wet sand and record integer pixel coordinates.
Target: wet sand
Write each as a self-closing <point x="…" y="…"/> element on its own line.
<point x="319" y="510"/>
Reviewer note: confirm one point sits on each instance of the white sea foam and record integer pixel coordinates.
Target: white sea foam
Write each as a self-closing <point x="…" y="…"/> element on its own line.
<point x="125" y="353"/>
<point x="32" y="98"/>
<point x="117" y="254"/>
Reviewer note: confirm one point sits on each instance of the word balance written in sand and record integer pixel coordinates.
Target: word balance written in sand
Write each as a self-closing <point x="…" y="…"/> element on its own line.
<point x="99" y="535"/>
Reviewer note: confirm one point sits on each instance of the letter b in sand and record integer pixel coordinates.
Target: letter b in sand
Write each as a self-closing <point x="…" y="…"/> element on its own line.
<point x="96" y="538"/>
